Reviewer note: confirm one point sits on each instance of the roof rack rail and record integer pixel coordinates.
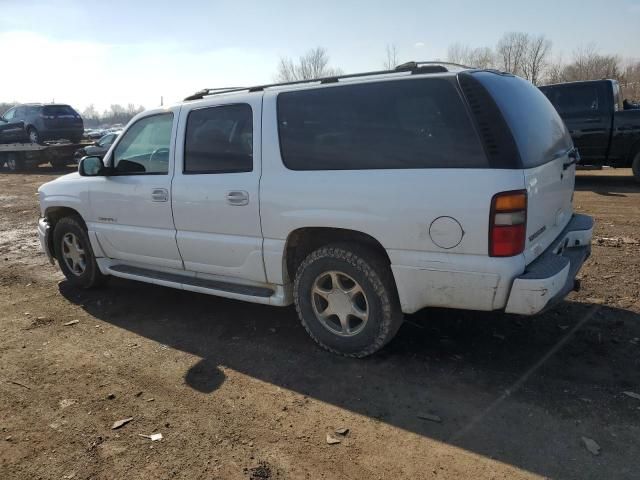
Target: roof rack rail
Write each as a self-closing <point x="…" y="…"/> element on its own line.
<point x="412" y="67"/>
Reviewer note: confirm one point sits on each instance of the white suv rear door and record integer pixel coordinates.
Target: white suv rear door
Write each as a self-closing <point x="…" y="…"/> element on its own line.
<point x="215" y="188"/>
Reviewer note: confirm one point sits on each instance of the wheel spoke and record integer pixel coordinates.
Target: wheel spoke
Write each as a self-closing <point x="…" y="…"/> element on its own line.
<point x="335" y="283"/>
<point x="327" y="312"/>
<point x="360" y="313"/>
<point x="77" y="244"/>
<point x="344" y="323"/>
<point x="318" y="290"/>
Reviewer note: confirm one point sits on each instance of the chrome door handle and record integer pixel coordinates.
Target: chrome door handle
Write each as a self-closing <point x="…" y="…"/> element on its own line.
<point x="159" y="195"/>
<point x="237" y="198"/>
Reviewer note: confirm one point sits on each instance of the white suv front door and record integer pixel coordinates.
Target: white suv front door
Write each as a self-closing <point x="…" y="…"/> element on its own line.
<point x="131" y="208"/>
<point x="215" y="188"/>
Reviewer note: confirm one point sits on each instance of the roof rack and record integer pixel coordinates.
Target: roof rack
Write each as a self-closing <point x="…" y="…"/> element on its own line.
<point x="412" y="67"/>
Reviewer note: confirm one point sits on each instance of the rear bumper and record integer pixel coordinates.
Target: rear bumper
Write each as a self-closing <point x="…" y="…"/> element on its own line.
<point x="550" y="278"/>
<point x="43" y="235"/>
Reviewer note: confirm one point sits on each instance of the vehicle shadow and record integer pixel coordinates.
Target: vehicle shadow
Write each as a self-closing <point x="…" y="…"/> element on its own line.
<point x="607" y="185"/>
<point x="472" y="369"/>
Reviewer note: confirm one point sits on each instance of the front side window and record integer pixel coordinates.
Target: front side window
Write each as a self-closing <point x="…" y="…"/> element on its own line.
<point x="383" y="125"/>
<point x="219" y="140"/>
<point x="10" y="114"/>
<point x="144" y="148"/>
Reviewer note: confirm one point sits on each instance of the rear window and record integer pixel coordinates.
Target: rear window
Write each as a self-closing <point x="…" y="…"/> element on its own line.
<point x="575" y="99"/>
<point x="59" y="110"/>
<point x="537" y="129"/>
<point x="383" y="125"/>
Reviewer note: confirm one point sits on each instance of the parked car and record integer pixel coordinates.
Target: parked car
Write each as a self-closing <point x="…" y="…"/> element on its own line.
<point x="94" y="134"/>
<point x="357" y="199"/>
<point x="44" y="122"/>
<point x="98" y="149"/>
<point x="603" y="131"/>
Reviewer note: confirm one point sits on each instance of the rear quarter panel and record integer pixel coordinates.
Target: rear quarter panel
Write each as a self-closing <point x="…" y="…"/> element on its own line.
<point x="396" y="207"/>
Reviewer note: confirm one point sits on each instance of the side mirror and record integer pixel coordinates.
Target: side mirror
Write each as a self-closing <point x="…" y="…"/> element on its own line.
<point x="91" y="167"/>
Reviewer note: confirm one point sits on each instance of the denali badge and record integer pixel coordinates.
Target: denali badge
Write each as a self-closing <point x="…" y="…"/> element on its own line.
<point x="106" y="219"/>
<point x="537" y="234"/>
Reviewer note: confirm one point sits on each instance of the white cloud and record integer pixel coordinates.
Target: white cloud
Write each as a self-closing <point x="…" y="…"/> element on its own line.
<point x="81" y="73"/>
<point x="418" y="44"/>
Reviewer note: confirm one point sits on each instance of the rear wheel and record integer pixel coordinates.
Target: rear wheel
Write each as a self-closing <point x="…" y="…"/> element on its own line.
<point x="346" y="299"/>
<point x="34" y="135"/>
<point x="74" y="254"/>
<point x="636" y="166"/>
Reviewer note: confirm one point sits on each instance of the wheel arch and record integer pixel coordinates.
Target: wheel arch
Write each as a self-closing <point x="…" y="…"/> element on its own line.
<point x="54" y="214"/>
<point x="304" y="240"/>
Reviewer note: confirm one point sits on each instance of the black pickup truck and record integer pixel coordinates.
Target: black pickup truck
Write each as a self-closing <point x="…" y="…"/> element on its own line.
<point x="602" y="130"/>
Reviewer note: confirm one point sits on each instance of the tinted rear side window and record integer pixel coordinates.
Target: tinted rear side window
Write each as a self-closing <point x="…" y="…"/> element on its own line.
<point x="537" y="129"/>
<point x="219" y="140"/>
<point x="384" y="125"/>
<point x="59" y="110"/>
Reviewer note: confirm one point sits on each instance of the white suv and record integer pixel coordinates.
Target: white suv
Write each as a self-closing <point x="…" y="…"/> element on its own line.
<point x="357" y="198"/>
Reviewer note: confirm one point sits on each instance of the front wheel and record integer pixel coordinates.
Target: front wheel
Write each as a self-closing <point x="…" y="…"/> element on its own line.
<point x="635" y="166"/>
<point x="15" y="162"/>
<point x="74" y="254"/>
<point x="346" y="299"/>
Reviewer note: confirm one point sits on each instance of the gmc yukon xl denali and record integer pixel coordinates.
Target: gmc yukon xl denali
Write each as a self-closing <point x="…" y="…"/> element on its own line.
<point x="602" y="130"/>
<point x="357" y="198"/>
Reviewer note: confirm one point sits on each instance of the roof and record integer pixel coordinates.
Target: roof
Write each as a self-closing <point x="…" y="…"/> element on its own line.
<point x="410" y="68"/>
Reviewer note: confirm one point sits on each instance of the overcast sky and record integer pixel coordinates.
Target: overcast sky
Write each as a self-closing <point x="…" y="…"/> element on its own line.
<point x="125" y="51"/>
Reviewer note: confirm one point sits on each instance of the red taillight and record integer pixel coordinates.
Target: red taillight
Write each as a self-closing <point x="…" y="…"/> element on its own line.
<point x="508" y="224"/>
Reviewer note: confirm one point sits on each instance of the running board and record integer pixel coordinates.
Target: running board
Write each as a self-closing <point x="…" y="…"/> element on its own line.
<point x="187" y="281"/>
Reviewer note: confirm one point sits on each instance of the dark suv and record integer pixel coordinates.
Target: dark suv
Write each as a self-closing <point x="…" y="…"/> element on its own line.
<point x="44" y="122"/>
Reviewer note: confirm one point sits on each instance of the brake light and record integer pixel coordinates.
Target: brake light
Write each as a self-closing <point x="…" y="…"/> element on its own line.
<point x="508" y="224"/>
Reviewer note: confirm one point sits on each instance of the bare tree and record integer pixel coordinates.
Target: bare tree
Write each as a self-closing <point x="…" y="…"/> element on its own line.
<point x="311" y="65"/>
<point x="481" y="57"/>
<point x="587" y="64"/>
<point x="631" y="82"/>
<point x="391" y="60"/>
<point x="511" y="52"/>
<point x="536" y="58"/>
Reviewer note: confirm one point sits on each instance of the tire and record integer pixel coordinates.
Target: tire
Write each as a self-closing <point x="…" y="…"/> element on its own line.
<point x="353" y="268"/>
<point x="15" y="162"/>
<point x="80" y="269"/>
<point x="33" y="134"/>
<point x="635" y="166"/>
<point x="59" y="163"/>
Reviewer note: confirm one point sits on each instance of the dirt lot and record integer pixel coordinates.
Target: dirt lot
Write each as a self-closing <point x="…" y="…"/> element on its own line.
<point x="240" y="391"/>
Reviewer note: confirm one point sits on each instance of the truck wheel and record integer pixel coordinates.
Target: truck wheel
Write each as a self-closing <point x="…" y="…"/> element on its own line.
<point x="34" y="136"/>
<point x="75" y="256"/>
<point x="58" y="163"/>
<point x="636" y="167"/>
<point x="14" y="162"/>
<point x="346" y="300"/>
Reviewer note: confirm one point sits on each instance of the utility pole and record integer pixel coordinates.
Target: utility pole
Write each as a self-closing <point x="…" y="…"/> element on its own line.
<point x="161" y="100"/>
